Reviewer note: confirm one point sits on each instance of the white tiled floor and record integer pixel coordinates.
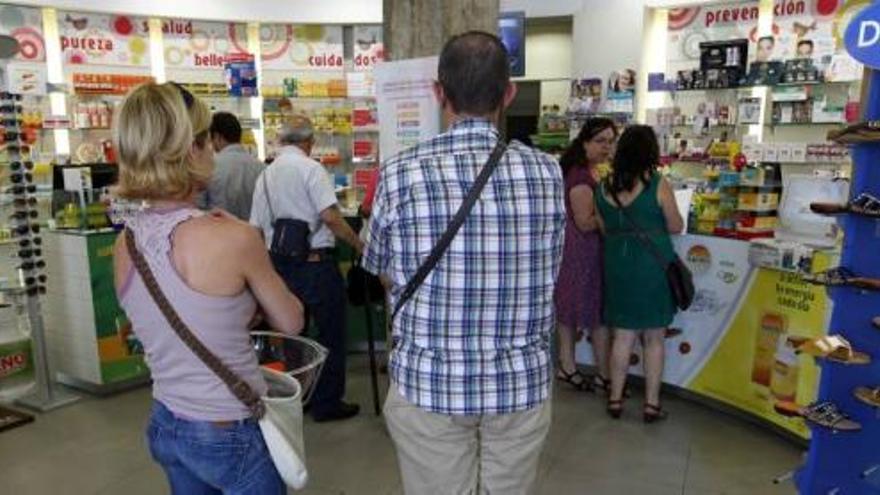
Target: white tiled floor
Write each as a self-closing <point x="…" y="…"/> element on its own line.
<point x="96" y="447"/>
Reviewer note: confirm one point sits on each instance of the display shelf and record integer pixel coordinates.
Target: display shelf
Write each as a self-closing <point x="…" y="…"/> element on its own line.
<point x="843" y="462"/>
<point x="763" y="86"/>
<point x="802" y="124"/>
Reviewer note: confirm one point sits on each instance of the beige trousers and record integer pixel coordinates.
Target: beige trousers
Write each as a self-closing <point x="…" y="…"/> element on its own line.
<point x="466" y="455"/>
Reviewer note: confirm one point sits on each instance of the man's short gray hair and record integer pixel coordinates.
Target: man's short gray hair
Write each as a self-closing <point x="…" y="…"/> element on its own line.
<point x="296" y="129"/>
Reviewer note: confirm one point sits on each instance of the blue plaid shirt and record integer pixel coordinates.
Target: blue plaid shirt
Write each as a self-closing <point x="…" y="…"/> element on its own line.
<point x="475" y="337"/>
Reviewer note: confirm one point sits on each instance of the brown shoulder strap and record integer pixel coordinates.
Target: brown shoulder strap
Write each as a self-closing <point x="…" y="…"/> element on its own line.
<point x="239" y="388"/>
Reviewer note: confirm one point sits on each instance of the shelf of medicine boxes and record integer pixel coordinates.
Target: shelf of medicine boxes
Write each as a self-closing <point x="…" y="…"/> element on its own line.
<point x="747" y="88"/>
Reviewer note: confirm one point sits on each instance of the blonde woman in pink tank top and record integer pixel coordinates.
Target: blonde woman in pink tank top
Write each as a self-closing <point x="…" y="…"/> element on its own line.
<point x="216" y="272"/>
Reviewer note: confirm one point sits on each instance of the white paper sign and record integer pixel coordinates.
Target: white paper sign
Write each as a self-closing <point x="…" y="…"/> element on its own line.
<point x="26" y="78"/>
<point x="408" y="110"/>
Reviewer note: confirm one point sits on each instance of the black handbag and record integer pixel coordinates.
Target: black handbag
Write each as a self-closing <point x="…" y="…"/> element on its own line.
<point x="290" y="236"/>
<point x="362" y="286"/>
<point x="678" y="276"/>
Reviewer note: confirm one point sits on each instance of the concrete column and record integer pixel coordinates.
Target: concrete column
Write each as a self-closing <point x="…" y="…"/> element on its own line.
<point x="419" y="28"/>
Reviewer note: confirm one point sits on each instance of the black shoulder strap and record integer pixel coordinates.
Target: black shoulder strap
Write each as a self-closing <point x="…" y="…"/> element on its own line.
<point x="641" y="235"/>
<point x="452" y="229"/>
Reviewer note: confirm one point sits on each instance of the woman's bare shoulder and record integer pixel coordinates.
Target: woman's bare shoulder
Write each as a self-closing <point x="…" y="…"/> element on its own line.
<point x="229" y="235"/>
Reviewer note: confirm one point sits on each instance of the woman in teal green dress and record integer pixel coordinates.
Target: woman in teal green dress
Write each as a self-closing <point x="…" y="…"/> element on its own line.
<point x="637" y="300"/>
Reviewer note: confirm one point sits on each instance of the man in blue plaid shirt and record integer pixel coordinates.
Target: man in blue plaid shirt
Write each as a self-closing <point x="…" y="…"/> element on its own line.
<point x="470" y="367"/>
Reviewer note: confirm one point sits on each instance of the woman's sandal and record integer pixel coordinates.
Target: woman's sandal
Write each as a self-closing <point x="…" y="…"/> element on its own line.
<point x="831" y="347"/>
<point x="868" y="395"/>
<point x="599" y="382"/>
<point x="654" y="413"/>
<point x="864" y="204"/>
<point x="834" y="277"/>
<point x="614" y="408"/>
<point x="824" y="414"/>
<point x="576" y="379"/>
<point x="840" y="277"/>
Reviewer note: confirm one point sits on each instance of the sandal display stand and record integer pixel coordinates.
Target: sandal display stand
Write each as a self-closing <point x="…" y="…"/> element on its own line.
<point x="849" y="462"/>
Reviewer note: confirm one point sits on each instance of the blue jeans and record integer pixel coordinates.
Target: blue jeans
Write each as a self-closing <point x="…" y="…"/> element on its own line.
<point x="204" y="458"/>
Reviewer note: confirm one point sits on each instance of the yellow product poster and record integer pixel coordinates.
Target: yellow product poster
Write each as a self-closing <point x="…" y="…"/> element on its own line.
<point x="754" y="365"/>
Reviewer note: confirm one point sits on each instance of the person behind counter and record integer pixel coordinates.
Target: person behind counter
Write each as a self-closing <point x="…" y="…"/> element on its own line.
<point x="295" y="205"/>
<point x="635" y="200"/>
<point x="579" y="286"/>
<point x="216" y="273"/>
<point x="235" y="169"/>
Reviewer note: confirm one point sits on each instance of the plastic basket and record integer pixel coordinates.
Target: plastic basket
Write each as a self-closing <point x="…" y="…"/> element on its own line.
<point x="298" y="357"/>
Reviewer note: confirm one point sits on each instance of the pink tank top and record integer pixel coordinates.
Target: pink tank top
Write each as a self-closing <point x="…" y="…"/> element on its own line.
<point x="180" y="380"/>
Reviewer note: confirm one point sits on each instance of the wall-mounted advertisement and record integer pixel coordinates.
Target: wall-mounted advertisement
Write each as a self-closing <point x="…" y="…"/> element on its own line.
<point x="302" y="47"/>
<point x="512" y="31"/>
<point x="103" y="39"/>
<point x="368" y="47"/>
<point x="26" y="26"/>
<point x="202" y="45"/>
<point x="586" y="96"/>
<point x="801" y="29"/>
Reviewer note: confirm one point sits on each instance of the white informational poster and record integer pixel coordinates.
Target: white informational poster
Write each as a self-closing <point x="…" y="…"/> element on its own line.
<point x="26" y="78"/>
<point x="683" y="199"/>
<point x="408" y="110"/>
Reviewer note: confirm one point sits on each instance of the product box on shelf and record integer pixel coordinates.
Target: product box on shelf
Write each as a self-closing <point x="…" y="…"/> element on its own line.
<point x="786" y="256"/>
<point x="758" y="198"/>
<point x="117" y="84"/>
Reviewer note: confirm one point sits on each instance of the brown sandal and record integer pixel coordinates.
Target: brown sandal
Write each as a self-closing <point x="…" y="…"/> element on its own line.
<point x="614" y="408"/>
<point x="824" y="414"/>
<point x="831" y="347"/>
<point x="868" y="395"/>
<point x="654" y="413"/>
<point x="576" y="379"/>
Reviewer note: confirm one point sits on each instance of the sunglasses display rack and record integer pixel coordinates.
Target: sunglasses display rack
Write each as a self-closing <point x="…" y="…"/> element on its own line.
<point x="23" y="227"/>
<point x="842" y="462"/>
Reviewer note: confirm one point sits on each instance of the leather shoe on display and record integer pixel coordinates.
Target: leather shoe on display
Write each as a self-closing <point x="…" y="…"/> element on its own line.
<point x="341" y="411"/>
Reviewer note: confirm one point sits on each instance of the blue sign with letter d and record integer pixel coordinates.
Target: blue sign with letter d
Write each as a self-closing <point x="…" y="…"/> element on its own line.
<point x="862" y="37"/>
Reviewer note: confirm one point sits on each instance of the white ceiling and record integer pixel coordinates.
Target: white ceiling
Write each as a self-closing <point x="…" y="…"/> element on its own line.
<point x="304" y="11"/>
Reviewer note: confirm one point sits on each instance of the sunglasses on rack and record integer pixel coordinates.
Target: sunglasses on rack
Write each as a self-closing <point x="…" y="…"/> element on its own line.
<point x="16" y="166"/>
<point x="18" y="190"/>
<point x="17" y="178"/>
<point x="24" y="214"/>
<point x="18" y="148"/>
<point x="5" y="95"/>
<point x="11" y="122"/>
<point x="22" y="230"/>
<point x="22" y="202"/>
<point x="36" y="241"/>
<point x="39" y="289"/>
<point x="27" y="253"/>
<point x="32" y="265"/>
<point x="33" y="280"/>
<point x="10" y="108"/>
